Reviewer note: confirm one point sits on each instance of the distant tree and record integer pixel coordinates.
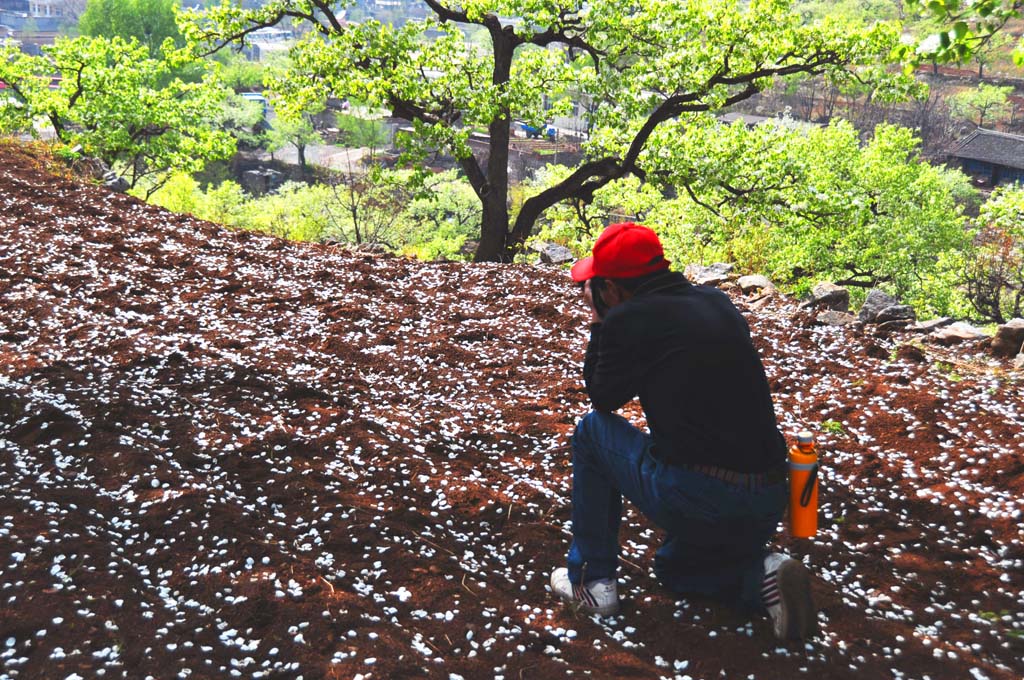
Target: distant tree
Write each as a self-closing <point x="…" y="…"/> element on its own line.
<point x="369" y="199"/>
<point x="243" y="119"/>
<point x="862" y="11"/>
<point x="356" y="132"/>
<point x="442" y="217"/>
<point x="815" y="96"/>
<point x="118" y="104"/>
<point x="151" y="22"/>
<point x="981" y="103"/>
<point x="367" y="205"/>
<point x="295" y="130"/>
<point x="990" y="52"/>
<point x="73" y="10"/>
<point x="651" y="69"/>
<point x="239" y="73"/>
<point x="296" y="211"/>
<point x="932" y="119"/>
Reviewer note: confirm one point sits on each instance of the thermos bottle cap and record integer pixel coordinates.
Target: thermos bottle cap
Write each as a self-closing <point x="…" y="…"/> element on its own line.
<point x="804" y="437"/>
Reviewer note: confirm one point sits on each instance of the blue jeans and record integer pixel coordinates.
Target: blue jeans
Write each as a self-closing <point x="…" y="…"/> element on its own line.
<point x="716" y="532"/>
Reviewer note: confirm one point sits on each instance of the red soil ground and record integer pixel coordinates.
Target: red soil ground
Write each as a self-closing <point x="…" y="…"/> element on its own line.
<point x="226" y="455"/>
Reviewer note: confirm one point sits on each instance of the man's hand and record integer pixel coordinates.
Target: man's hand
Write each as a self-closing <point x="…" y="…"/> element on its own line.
<point x="588" y="297"/>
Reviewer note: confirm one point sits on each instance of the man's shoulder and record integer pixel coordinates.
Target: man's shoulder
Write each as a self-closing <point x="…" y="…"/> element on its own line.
<point x="681" y="298"/>
<point x="640" y="313"/>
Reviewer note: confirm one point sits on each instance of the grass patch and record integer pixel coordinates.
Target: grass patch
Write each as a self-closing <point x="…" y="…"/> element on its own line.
<point x="833" y="427"/>
<point x="949" y="370"/>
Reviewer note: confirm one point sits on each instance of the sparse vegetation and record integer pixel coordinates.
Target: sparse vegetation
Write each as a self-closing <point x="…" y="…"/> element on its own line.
<point x="833" y="427"/>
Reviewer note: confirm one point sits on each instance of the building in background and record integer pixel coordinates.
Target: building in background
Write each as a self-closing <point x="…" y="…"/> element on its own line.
<point x="991" y="158"/>
<point x="43" y="16"/>
<point x="266" y="41"/>
<point x="37" y="22"/>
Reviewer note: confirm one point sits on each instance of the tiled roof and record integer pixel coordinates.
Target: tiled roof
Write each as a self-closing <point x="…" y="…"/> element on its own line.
<point x="999" y="148"/>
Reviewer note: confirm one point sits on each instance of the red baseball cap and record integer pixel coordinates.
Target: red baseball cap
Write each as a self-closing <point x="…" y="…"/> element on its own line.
<point x="622" y="251"/>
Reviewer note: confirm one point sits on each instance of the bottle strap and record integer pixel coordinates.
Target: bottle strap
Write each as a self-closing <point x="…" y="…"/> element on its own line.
<point x="812" y="479"/>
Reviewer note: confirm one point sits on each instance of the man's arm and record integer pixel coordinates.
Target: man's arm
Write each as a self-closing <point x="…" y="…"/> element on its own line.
<point x="609" y="370"/>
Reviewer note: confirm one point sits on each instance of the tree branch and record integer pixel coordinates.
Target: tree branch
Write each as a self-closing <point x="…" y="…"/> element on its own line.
<point x="475" y="174"/>
<point x="590" y="177"/>
<point x="401" y="108"/>
<point x="219" y="41"/>
<point x="693" y="197"/>
<point x="445" y="14"/>
<point x="328" y="13"/>
<point x="78" y="85"/>
<point x="567" y="22"/>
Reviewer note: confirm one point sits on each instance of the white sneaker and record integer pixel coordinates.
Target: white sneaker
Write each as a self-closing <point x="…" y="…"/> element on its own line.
<point x="596" y="597"/>
<point x="786" y="592"/>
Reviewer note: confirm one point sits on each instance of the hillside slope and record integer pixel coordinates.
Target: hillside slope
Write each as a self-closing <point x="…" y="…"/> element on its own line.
<point x="225" y="455"/>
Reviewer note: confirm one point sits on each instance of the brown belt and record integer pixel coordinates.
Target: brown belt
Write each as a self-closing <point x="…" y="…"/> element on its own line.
<point x="747" y="480"/>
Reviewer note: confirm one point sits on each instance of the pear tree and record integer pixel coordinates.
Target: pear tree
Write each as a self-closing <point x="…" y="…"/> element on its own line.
<point x="108" y="96"/>
<point x="637" y="69"/>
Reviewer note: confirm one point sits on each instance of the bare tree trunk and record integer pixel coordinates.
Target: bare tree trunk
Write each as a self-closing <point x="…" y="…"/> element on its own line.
<point x="493" y="231"/>
<point x="494" y="237"/>
<point x="354" y="211"/>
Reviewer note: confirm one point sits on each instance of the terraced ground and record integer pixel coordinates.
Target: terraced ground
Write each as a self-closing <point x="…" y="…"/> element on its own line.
<point x="226" y="455"/>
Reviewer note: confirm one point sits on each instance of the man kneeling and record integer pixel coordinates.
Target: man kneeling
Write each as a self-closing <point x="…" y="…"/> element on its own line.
<point x="712" y="471"/>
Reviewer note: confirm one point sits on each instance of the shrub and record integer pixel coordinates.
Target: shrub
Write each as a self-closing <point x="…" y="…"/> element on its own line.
<point x="994" y="274"/>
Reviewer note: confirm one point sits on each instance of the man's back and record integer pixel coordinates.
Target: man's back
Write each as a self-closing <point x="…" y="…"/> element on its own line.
<point x="686" y="352"/>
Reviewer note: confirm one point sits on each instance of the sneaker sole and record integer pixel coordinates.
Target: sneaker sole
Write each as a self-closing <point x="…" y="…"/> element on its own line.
<point x="798" y="619"/>
<point x="577" y="605"/>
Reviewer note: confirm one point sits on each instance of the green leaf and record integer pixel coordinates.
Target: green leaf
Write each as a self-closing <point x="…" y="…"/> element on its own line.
<point x="1018" y="55"/>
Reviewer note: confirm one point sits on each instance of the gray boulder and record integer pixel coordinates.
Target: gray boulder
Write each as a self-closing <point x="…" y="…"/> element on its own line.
<point x="904" y="313"/>
<point x="552" y="253"/>
<point x="956" y="333"/>
<point x="114" y="182"/>
<point x="1018" y="362"/>
<point x="755" y="282"/>
<point x="1009" y="339"/>
<point x="829" y="296"/>
<point x="832" y="317"/>
<point x="261" y="181"/>
<point x="711" y="275"/>
<point x="886" y="327"/>
<point x="876" y="302"/>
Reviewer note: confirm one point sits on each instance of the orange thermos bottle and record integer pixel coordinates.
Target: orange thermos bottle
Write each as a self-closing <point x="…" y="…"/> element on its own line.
<point x="803" y="487"/>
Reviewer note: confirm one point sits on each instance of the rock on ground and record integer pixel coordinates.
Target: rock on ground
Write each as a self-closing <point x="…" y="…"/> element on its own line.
<point x="753" y="283"/>
<point x="1009" y="339"/>
<point x="830" y="296"/>
<point x="875" y="302"/>
<point x="931" y="324"/>
<point x="955" y="333"/>
<point x="710" y="275"/>
<point x="831" y="317"/>
<point x="552" y="253"/>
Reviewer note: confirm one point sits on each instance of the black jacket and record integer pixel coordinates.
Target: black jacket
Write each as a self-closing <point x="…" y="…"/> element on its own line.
<point x="685" y="350"/>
